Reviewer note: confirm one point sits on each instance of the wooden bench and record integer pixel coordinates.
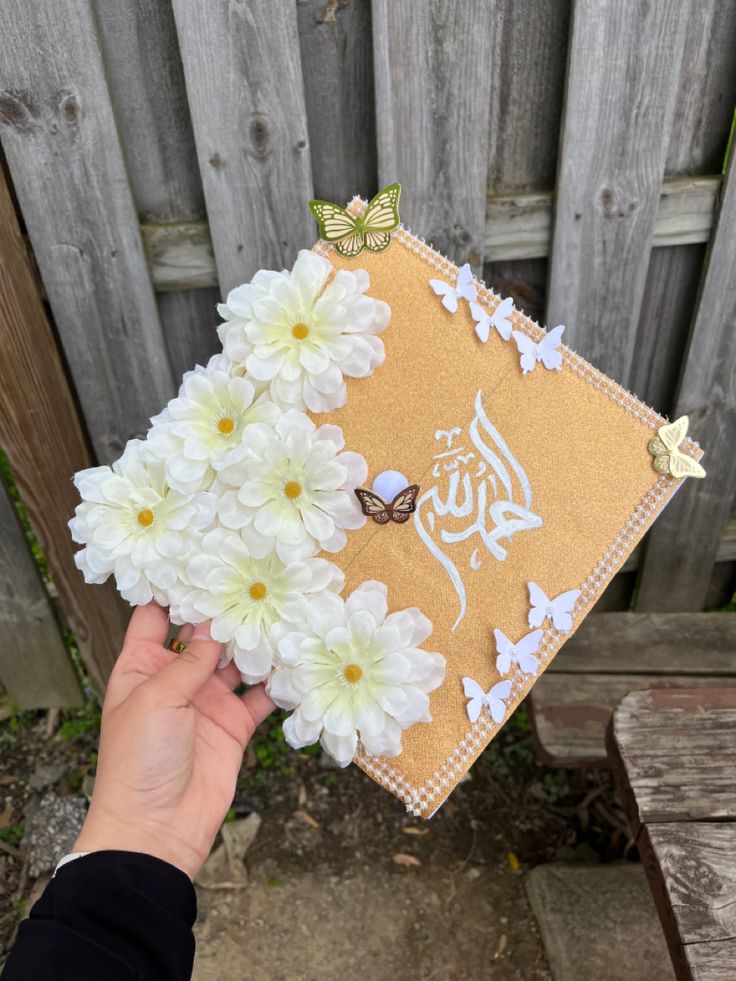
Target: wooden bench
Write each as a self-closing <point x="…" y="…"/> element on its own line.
<point x="673" y="753"/>
<point x="615" y="653"/>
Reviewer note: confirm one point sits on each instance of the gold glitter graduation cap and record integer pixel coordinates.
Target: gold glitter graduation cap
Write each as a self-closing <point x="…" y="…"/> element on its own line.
<point x="527" y="478"/>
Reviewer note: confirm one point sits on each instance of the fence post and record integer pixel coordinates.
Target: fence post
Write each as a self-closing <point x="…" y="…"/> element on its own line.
<point x="61" y="142"/>
<point x="35" y="668"/>
<point x="682" y="546"/>
<point x="43" y="439"/>
<point x="619" y="103"/>
<point x="242" y="67"/>
<point x="433" y="102"/>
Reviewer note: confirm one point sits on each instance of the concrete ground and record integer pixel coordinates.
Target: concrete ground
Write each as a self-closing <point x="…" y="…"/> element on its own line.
<point x="376" y="924"/>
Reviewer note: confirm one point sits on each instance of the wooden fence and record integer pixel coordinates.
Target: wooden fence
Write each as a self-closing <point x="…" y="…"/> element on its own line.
<point x="161" y="151"/>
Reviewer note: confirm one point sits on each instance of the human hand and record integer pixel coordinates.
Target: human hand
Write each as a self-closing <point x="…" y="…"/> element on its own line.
<point x="171" y="745"/>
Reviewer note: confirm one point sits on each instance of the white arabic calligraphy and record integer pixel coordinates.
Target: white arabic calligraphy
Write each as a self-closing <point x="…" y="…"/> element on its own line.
<point x="472" y="491"/>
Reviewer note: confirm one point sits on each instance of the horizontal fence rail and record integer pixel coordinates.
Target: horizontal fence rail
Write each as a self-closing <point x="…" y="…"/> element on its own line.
<point x="517" y="226"/>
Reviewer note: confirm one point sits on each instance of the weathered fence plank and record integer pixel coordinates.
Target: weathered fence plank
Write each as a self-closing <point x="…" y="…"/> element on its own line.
<point x="337" y="63"/>
<point x="146" y="82"/>
<point x="35" y="668"/>
<point x="687" y="734"/>
<point x="683" y="544"/>
<point x="518" y="226"/>
<point x="700" y="127"/>
<point x="655" y="643"/>
<point x="58" y="132"/>
<point x="433" y="69"/>
<point x="571" y="711"/>
<point x="526" y="107"/>
<point x="42" y="437"/>
<point x="246" y="95"/>
<point x="698" y="864"/>
<point x="621" y="88"/>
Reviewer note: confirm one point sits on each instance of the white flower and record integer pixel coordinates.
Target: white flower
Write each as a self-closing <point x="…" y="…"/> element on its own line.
<point x="303" y="332"/>
<point x="135" y="525"/>
<point x="204" y="423"/>
<point x="294" y="486"/>
<point x="245" y="593"/>
<point x="351" y="673"/>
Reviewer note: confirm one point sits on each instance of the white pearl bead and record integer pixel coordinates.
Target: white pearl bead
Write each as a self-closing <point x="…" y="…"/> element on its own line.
<point x="388" y="483"/>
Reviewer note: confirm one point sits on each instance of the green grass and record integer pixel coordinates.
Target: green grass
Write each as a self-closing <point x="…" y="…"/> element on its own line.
<point x="19" y="908"/>
<point x="6" y="475"/>
<point x="729" y="143"/>
<point x="12" y="726"/>
<point x="12" y="835"/>
<point x="512" y="751"/>
<point x="81" y="722"/>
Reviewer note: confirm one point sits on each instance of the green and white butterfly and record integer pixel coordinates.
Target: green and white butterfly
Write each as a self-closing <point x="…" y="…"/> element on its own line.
<point x="350" y="234"/>
<point x="668" y="457"/>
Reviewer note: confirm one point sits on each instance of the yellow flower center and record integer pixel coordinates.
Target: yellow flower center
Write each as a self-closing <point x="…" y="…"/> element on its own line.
<point x="353" y="673"/>
<point x="258" y="591"/>
<point x="300" y="331"/>
<point x="146" y="517"/>
<point x="226" y="425"/>
<point x="293" y="489"/>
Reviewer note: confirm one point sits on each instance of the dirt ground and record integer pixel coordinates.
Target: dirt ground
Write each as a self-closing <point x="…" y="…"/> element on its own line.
<point x="341" y="881"/>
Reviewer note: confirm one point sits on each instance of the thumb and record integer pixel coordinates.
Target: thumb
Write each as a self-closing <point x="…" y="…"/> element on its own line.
<point x="190" y="669"/>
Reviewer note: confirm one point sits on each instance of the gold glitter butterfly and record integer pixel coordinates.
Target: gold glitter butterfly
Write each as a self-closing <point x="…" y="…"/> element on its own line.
<point x="668" y="457"/>
<point x="350" y="234"/>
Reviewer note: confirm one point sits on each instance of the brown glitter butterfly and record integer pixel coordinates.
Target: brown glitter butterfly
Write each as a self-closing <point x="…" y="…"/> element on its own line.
<point x="398" y="510"/>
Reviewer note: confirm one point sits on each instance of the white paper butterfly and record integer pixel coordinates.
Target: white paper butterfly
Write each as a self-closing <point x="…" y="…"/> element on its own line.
<point x="558" y="609"/>
<point x="494" y="699"/>
<point x="462" y="290"/>
<point x="546" y="351"/>
<point x="521" y="653"/>
<point x="500" y="319"/>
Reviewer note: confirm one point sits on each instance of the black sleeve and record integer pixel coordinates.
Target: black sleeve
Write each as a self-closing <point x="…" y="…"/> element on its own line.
<point x="110" y="915"/>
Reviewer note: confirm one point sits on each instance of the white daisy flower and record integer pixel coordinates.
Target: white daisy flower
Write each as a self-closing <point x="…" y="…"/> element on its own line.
<point x="353" y="674"/>
<point x="200" y="427"/>
<point x="134" y="525"/>
<point x="294" y="486"/>
<point x="303" y="331"/>
<point x="245" y="593"/>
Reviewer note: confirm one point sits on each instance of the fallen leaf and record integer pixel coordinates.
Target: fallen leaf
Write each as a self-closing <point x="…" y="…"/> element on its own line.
<point x="502" y="941"/>
<point x="306" y="818"/>
<point x="513" y="862"/>
<point x="401" y="858"/>
<point x="7" y="779"/>
<point x="413" y="830"/>
<point x="302" y="800"/>
<point x="7" y="816"/>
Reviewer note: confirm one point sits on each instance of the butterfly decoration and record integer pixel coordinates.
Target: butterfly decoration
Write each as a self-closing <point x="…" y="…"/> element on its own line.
<point x="399" y="509"/>
<point x="668" y="457"/>
<point x="350" y="234"/>
<point x="521" y="653"/>
<point x="500" y="319"/>
<point x="547" y="351"/>
<point x="464" y="289"/>
<point x="559" y="609"/>
<point x="495" y="699"/>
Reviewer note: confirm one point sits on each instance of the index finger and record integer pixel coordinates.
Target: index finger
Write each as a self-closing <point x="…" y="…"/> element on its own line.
<point x="149" y="624"/>
<point x="143" y="653"/>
